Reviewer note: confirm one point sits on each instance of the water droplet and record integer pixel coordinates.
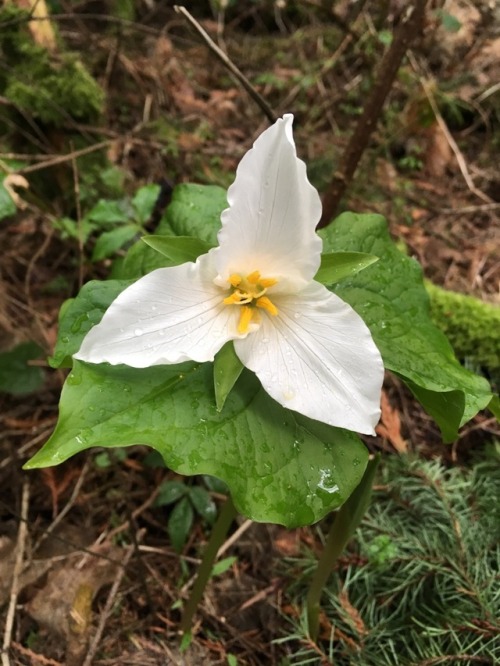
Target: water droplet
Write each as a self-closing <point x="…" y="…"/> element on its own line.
<point x="73" y="379"/>
<point x="289" y="394"/>
<point x="138" y="331"/>
<point x="65" y="339"/>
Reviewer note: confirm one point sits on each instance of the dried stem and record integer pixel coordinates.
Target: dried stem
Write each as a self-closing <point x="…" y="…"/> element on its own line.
<point x="257" y="98"/>
<point x="408" y="30"/>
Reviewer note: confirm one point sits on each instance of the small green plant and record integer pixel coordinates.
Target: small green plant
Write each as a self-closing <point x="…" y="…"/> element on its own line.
<point x="112" y="223"/>
<point x="186" y="501"/>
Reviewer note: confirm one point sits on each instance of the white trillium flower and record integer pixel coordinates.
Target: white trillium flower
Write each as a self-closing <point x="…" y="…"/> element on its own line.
<point x="310" y="350"/>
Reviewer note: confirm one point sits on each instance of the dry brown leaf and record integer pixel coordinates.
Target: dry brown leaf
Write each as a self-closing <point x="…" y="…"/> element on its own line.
<point x="438" y="152"/>
<point x="64" y="605"/>
<point x="15" y="180"/>
<point x="287" y="542"/>
<point x="353" y="614"/>
<point x="390" y="426"/>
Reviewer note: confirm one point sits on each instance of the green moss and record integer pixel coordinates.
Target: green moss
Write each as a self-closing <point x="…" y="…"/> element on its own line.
<point x="471" y="325"/>
<point x="49" y="88"/>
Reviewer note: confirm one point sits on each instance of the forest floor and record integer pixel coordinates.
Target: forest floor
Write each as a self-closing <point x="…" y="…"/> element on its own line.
<point x="172" y="113"/>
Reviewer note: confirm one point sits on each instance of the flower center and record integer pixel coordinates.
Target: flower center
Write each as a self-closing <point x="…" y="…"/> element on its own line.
<point x="249" y="293"/>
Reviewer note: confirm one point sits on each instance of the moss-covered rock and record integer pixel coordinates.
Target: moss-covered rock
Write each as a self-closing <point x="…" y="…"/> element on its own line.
<point x="471" y="325"/>
<point x="49" y="87"/>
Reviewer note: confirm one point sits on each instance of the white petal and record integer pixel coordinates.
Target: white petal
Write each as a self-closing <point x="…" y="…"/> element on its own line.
<point x="318" y="358"/>
<point x="272" y="215"/>
<point x="169" y="316"/>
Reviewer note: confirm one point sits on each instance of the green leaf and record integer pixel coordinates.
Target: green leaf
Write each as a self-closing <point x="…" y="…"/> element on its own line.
<point x="107" y="212"/>
<point x="445" y="408"/>
<point x="144" y="202"/>
<point x="494" y="406"/>
<point x="222" y="566"/>
<point x="336" y="266"/>
<point x="111" y="241"/>
<point x="203" y="503"/>
<point x="16" y="376"/>
<point x="227" y="369"/>
<point x="280" y="466"/>
<point x="195" y="211"/>
<point x="180" y="523"/>
<point x="170" y="492"/>
<point x="178" y="249"/>
<point x="7" y="205"/>
<point x="391" y="298"/>
<point x="78" y="315"/>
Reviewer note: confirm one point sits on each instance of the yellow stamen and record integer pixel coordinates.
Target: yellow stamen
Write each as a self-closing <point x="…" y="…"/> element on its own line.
<point x="265" y="283"/>
<point x="235" y="279"/>
<point x="233" y="299"/>
<point x="254" y="277"/>
<point x="245" y="319"/>
<point x="265" y="303"/>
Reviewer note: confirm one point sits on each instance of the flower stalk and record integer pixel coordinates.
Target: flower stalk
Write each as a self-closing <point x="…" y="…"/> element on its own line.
<point x="346" y="521"/>
<point x="219" y="531"/>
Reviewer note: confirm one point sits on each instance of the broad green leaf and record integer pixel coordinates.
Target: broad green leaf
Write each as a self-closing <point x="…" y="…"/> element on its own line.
<point x="195" y="211"/>
<point x="336" y="266"/>
<point x="111" y="241"/>
<point x="107" y="212"/>
<point x="391" y="298"/>
<point x="16" y="376"/>
<point x="280" y="466"/>
<point x="180" y="523"/>
<point x="144" y="202"/>
<point x="78" y="315"/>
<point x="203" y="503"/>
<point x="440" y="406"/>
<point x="141" y="260"/>
<point x="227" y="369"/>
<point x="178" y="249"/>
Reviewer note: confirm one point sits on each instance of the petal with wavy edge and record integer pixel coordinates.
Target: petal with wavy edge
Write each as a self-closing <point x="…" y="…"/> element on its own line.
<point x="169" y="316"/>
<point x="273" y="211"/>
<point x="318" y="358"/>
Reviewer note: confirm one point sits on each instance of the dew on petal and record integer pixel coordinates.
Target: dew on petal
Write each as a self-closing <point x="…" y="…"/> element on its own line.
<point x="289" y="394"/>
<point x="138" y="331"/>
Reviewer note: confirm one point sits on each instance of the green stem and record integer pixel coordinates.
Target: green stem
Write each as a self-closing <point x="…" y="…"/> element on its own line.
<point x="346" y="521"/>
<point x="219" y="532"/>
<point x="335" y="544"/>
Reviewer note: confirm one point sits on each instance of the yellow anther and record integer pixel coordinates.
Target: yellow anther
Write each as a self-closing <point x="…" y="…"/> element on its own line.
<point x="264" y="303"/>
<point x="234" y="299"/>
<point x="245" y="319"/>
<point x="234" y="279"/>
<point x="254" y="277"/>
<point x="265" y="283"/>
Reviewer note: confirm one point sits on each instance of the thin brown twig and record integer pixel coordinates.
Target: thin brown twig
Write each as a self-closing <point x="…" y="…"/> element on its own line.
<point x="60" y="159"/>
<point x="257" y="98"/>
<point x="66" y="509"/>
<point x="18" y="565"/>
